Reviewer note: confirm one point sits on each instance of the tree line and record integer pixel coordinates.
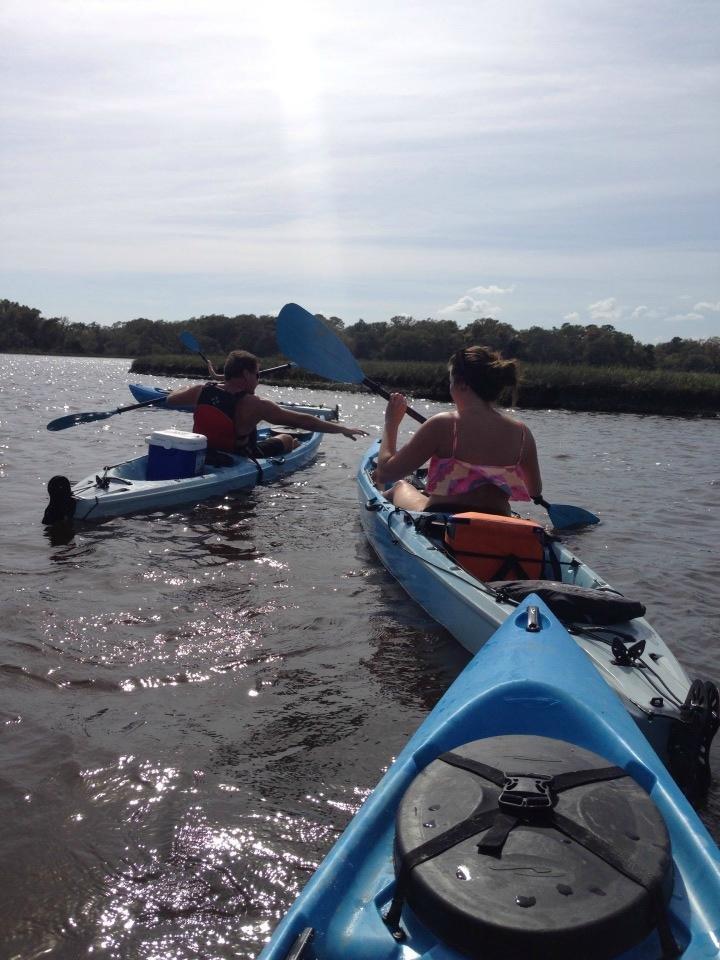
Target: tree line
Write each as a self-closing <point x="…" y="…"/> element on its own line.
<point x="24" y="329"/>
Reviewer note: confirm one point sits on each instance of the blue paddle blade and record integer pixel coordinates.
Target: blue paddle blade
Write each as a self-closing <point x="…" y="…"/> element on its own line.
<point x="189" y="341"/>
<point x="563" y="516"/>
<point x="314" y="346"/>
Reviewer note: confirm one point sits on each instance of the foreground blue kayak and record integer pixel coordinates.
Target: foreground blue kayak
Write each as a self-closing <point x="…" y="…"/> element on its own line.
<point x="679" y="717"/>
<point x="527" y="817"/>
<point x="143" y="394"/>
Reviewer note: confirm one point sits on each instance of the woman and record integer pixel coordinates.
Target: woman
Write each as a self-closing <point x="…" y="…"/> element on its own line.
<point x="480" y="458"/>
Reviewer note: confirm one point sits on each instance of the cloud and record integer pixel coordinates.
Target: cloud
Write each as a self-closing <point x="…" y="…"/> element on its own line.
<point x="491" y="290"/>
<point x="683" y="318"/>
<point x="468" y="304"/>
<point x="643" y="312"/>
<point x="705" y="305"/>
<point x="475" y="301"/>
<point x="605" y="311"/>
<point x="572" y="317"/>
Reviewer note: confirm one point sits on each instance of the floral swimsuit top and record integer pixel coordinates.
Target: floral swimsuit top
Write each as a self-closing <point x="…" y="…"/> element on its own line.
<point x="448" y="476"/>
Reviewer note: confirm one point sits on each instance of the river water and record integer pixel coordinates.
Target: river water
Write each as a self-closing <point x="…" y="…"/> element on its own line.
<point x="193" y="704"/>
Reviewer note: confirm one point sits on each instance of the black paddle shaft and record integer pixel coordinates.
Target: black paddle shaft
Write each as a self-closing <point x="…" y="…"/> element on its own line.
<point x="376" y="388"/>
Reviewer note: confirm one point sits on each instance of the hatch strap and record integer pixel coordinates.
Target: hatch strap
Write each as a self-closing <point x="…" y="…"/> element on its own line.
<point x="525" y="798"/>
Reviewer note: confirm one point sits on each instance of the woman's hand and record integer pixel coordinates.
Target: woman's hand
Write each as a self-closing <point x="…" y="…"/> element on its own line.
<point x="395" y="410"/>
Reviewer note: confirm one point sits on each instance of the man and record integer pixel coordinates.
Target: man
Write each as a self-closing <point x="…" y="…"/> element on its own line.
<point x="228" y="413"/>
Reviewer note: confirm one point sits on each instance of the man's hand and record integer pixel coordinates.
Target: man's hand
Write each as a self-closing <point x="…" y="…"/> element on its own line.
<point x="352" y="433"/>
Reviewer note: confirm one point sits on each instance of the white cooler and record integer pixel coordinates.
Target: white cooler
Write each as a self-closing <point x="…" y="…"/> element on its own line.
<point x="174" y="454"/>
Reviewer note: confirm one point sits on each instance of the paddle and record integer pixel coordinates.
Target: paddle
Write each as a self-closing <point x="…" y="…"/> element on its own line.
<point x="564" y="516"/>
<point x="189" y="341"/>
<point x="314" y="346"/>
<point x="62" y="423"/>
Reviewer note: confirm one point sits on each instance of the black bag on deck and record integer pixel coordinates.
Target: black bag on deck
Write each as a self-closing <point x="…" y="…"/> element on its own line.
<point x="572" y="604"/>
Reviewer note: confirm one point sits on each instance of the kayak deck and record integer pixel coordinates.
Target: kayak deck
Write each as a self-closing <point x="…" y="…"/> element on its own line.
<point x="631" y="656"/>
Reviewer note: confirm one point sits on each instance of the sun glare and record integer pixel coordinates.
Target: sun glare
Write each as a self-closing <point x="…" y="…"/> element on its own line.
<point x="291" y="33"/>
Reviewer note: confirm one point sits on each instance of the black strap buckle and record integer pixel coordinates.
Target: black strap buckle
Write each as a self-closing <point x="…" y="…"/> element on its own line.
<point x="627" y="656"/>
<point x="524" y="794"/>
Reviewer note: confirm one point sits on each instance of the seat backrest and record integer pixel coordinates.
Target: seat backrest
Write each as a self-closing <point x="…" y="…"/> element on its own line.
<point x="492" y="547"/>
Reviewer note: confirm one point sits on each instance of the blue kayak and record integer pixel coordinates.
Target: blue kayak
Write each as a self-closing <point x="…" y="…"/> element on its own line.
<point x="679" y="717"/>
<point x="126" y="487"/>
<point x="144" y="393"/>
<point x="527" y="817"/>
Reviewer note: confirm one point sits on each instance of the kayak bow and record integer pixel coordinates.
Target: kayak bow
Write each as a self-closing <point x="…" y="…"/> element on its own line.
<point x="527" y="817"/>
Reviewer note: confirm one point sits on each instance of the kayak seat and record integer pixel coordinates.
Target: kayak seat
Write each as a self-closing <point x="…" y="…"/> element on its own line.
<point x="492" y="547"/>
<point x="218" y="458"/>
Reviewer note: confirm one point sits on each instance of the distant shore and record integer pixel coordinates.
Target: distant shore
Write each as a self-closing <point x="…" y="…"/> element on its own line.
<point x="542" y="386"/>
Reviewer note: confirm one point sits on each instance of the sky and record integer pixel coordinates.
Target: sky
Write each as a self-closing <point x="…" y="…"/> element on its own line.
<point x="537" y="161"/>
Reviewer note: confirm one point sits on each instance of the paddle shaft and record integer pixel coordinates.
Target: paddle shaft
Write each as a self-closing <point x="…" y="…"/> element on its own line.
<point x="73" y="419"/>
<point x="381" y="391"/>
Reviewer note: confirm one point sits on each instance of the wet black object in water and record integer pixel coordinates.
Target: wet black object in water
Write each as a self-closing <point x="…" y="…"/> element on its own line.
<point x="61" y="508"/>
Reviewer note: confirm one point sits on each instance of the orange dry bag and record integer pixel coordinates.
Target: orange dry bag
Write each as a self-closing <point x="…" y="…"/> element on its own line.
<point x="497" y="548"/>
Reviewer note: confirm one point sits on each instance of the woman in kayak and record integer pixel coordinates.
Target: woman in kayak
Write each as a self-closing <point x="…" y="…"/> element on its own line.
<point x="480" y="458"/>
<point x="228" y="413"/>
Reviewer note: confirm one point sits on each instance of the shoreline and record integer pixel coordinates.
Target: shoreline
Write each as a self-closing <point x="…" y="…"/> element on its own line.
<point x="550" y="387"/>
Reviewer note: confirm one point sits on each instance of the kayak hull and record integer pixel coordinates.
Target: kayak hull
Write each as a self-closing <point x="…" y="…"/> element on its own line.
<point x="124" y="489"/>
<point x="519" y="683"/>
<point x="654" y="688"/>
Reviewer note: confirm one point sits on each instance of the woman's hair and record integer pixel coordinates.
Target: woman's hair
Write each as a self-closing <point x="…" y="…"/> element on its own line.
<point x="238" y="362"/>
<point x="484" y="371"/>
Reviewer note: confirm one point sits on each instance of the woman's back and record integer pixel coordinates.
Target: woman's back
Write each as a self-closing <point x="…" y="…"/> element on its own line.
<point x="484" y="437"/>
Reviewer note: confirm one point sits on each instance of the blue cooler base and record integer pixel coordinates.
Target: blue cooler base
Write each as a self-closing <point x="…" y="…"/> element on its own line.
<point x="170" y="464"/>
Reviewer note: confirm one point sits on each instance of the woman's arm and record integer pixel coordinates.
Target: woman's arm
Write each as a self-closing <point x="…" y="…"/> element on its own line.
<point x="220" y="377"/>
<point x="530" y="466"/>
<point x="394" y="464"/>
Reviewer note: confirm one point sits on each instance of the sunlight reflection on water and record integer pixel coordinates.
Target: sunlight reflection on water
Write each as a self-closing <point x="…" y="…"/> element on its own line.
<point x="196" y="702"/>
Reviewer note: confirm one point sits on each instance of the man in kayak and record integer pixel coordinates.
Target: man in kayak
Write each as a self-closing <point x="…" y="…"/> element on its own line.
<point x="480" y="458"/>
<point x="228" y="413"/>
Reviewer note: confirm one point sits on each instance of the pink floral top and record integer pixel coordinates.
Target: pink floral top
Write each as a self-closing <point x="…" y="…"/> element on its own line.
<point x="448" y="476"/>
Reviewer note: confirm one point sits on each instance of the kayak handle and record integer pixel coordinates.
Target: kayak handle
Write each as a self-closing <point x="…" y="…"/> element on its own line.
<point x="533" y="620"/>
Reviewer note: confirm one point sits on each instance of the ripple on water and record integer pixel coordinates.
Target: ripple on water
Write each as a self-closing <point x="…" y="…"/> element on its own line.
<point x="195" y="703"/>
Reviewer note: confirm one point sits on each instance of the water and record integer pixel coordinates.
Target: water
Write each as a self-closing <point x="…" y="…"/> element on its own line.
<point x="193" y="704"/>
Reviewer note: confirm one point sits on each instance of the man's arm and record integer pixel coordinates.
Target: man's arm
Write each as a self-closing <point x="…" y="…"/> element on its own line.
<point x="184" y="396"/>
<point x="274" y="413"/>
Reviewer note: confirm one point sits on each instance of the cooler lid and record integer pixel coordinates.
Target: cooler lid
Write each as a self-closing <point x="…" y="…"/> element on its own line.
<point x="178" y="440"/>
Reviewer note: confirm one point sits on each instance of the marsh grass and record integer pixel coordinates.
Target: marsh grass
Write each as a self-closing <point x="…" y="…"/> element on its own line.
<point x="556" y="386"/>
